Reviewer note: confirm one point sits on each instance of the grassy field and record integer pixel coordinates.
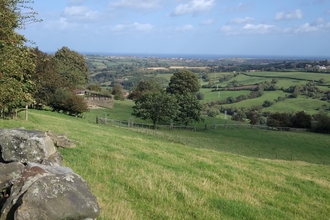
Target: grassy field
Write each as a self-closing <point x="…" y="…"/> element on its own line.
<point x="298" y="75"/>
<point x="210" y="96"/>
<point x="269" y="95"/>
<point x="301" y="103"/>
<point x="146" y="175"/>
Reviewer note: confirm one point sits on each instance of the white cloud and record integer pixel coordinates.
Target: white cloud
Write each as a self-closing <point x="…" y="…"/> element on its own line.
<point x="240" y="7"/>
<point x="194" y="6"/>
<point x="297" y="14"/>
<point x="207" y="22"/>
<point x="241" y="20"/>
<point x="306" y="28"/>
<point x="248" y="29"/>
<point x="119" y="28"/>
<point x="187" y="27"/>
<point x="136" y="4"/>
<point x="228" y="30"/>
<point x="82" y="13"/>
<point x="259" y="28"/>
<point x="318" y="26"/>
<point x="61" y="24"/>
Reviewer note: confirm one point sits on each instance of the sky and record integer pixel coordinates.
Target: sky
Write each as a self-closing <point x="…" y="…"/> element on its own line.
<point x="299" y="28"/>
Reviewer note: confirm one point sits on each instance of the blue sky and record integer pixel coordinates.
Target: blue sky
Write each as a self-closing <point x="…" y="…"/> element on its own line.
<point x="222" y="27"/>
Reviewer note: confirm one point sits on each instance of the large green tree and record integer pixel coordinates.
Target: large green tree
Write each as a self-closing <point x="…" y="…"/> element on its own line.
<point x="183" y="81"/>
<point x="189" y="109"/>
<point x="72" y="66"/>
<point x="184" y="85"/>
<point x="46" y="78"/>
<point x="16" y="60"/>
<point x="156" y="106"/>
<point x="144" y="86"/>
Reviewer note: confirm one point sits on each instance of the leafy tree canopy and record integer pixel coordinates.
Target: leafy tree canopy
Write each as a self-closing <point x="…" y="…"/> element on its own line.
<point x="183" y="81"/>
<point x="45" y="78"/>
<point x="144" y="86"/>
<point x="72" y="65"/>
<point x="189" y="109"/>
<point x="157" y="107"/>
<point x="16" y="60"/>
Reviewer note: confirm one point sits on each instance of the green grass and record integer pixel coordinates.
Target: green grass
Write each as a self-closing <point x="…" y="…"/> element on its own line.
<point x="269" y="95"/>
<point x="301" y="103"/>
<point x="298" y="75"/>
<point x="153" y="175"/>
<point x="211" y="96"/>
<point x="142" y="176"/>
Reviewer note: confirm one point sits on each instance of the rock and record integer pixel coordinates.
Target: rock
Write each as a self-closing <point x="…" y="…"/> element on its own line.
<point x="54" y="193"/>
<point x="55" y="158"/>
<point x="18" y="145"/>
<point x="56" y="197"/>
<point x="9" y="172"/>
<point x="61" y="140"/>
<point x="33" y="183"/>
<point x="52" y="169"/>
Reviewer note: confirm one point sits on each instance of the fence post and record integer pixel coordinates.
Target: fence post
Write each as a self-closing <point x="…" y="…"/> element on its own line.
<point x="97" y="119"/>
<point x="26" y="113"/>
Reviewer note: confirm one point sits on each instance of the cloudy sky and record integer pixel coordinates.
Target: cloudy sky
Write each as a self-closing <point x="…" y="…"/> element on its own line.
<point x="222" y="27"/>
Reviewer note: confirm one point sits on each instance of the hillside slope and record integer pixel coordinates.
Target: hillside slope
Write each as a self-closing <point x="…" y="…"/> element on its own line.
<point x="138" y="175"/>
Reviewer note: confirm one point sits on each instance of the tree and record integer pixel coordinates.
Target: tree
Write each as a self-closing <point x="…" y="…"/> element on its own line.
<point x="67" y="101"/>
<point x="45" y="78"/>
<point x="189" y="109"/>
<point x="301" y="120"/>
<point x="157" y="107"/>
<point x="72" y="66"/>
<point x="16" y="60"/>
<point x="143" y="87"/>
<point x="117" y="91"/>
<point x="183" y="81"/>
<point x="267" y="104"/>
<point x="94" y="87"/>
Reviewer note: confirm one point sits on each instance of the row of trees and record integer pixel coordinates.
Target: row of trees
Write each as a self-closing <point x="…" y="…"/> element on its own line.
<point x="29" y="76"/>
<point x="177" y="104"/>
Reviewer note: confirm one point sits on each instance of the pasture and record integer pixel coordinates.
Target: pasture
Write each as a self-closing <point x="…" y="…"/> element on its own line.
<point x="215" y="174"/>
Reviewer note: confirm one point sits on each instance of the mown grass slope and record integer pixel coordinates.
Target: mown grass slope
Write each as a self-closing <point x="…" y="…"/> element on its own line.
<point x="138" y="174"/>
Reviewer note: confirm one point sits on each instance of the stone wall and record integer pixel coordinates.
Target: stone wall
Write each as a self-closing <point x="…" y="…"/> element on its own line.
<point x="34" y="184"/>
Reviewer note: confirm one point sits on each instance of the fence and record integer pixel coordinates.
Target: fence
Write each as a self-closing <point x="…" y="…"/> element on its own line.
<point x="133" y="124"/>
<point x="176" y="137"/>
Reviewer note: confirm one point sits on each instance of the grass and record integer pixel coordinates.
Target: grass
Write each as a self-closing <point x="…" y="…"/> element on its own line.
<point x="301" y="103"/>
<point x="210" y="96"/>
<point x="139" y="175"/>
<point x="268" y="95"/>
<point x="298" y="75"/>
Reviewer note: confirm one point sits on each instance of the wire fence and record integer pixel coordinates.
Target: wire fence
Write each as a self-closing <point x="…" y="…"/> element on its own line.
<point x="132" y="124"/>
<point x="176" y="137"/>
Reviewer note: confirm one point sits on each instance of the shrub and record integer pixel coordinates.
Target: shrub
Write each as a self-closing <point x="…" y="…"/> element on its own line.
<point x="213" y="112"/>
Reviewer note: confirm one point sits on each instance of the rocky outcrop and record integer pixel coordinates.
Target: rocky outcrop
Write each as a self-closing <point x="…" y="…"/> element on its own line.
<point x="34" y="185"/>
<point x="61" y="140"/>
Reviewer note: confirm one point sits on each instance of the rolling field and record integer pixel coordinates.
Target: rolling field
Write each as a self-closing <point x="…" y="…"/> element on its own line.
<point x="211" y="96"/>
<point x="158" y="175"/>
<point x="269" y="95"/>
<point x="298" y="75"/>
<point x="308" y="105"/>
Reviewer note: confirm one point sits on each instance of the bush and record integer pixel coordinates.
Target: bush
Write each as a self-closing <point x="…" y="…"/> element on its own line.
<point x="68" y="102"/>
<point x="200" y="96"/>
<point x="213" y="112"/>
